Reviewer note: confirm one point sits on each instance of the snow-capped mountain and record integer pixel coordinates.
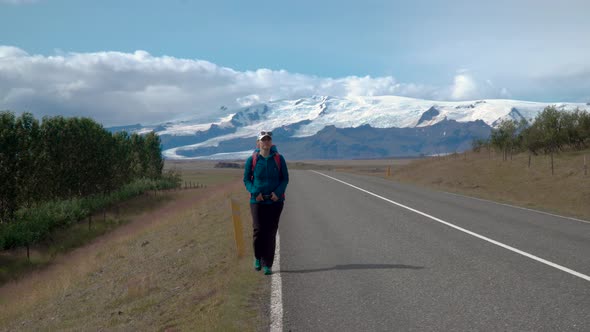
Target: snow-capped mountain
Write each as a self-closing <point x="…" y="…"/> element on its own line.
<point x="303" y="122"/>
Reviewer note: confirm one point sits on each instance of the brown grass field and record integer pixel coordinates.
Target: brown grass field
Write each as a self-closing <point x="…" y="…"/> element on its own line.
<point x="172" y="267"/>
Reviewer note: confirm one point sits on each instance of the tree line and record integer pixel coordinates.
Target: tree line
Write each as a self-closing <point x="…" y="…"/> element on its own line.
<point x="552" y="131"/>
<point x="58" y="171"/>
<point x="62" y="158"/>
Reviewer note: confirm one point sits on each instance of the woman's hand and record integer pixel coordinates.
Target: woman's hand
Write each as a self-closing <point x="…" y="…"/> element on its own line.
<point x="274" y="197"/>
<point x="259" y="198"/>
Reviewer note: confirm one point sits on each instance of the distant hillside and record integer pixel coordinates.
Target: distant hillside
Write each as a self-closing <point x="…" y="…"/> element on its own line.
<point x="325" y="127"/>
<point x="365" y="142"/>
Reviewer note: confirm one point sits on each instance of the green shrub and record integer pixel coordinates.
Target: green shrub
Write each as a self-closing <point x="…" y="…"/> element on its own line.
<point x="35" y="223"/>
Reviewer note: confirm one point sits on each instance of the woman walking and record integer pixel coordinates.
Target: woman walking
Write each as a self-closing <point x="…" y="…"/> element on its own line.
<point x="266" y="178"/>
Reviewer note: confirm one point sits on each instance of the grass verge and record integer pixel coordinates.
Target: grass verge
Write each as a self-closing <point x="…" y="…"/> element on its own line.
<point x="180" y="272"/>
<point x="485" y="175"/>
<point x="15" y="265"/>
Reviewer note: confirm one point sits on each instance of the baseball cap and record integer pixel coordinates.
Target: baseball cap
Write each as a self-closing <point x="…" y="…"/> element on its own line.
<point x="265" y="133"/>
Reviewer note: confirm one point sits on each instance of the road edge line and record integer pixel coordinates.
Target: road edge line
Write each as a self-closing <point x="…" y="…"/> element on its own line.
<point x="276" y="296"/>
<point x="500" y="244"/>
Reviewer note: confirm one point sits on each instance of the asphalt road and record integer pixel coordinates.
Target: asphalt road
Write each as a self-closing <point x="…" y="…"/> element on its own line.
<point x="350" y="261"/>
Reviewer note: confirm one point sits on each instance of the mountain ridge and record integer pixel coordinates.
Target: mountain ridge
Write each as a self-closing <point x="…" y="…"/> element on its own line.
<point x="303" y="118"/>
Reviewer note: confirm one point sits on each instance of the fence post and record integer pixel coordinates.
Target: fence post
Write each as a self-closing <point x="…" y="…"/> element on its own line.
<point x="238" y="236"/>
<point x="585" y="166"/>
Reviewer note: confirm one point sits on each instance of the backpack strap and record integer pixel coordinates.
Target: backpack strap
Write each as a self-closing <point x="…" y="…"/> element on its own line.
<point x="278" y="161"/>
<point x="277" y="157"/>
<point x="254" y="159"/>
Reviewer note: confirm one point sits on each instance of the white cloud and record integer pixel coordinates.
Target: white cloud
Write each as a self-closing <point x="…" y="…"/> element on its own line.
<point x="124" y="88"/>
<point x="464" y="87"/>
<point x="248" y="100"/>
<point x="505" y="94"/>
<point x="11" y="51"/>
<point x="467" y="87"/>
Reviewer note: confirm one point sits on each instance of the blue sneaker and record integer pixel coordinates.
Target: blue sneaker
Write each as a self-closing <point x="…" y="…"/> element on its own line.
<point x="267" y="270"/>
<point x="257" y="264"/>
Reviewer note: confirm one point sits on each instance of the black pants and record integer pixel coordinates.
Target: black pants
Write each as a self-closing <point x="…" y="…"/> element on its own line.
<point x="265" y="220"/>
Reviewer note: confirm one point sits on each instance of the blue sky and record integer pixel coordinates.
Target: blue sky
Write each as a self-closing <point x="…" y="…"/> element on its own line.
<point x="442" y="50"/>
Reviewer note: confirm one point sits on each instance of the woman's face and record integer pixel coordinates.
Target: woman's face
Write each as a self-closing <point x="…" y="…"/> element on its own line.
<point x="266" y="143"/>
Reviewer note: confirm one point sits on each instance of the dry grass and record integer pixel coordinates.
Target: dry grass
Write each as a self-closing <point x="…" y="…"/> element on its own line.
<point x="485" y="175"/>
<point x="178" y="272"/>
<point x="374" y="166"/>
<point x="202" y="172"/>
<point x="14" y="264"/>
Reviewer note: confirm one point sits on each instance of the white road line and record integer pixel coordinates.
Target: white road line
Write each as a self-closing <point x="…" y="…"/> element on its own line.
<point x="517" y="207"/>
<point x="538" y="259"/>
<point x="276" y="297"/>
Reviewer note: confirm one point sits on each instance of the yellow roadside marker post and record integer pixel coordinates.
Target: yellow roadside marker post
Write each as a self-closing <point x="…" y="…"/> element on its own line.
<point x="388" y="170"/>
<point x="238" y="234"/>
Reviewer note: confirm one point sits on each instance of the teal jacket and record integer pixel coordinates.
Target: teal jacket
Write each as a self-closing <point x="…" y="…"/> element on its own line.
<point x="266" y="178"/>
